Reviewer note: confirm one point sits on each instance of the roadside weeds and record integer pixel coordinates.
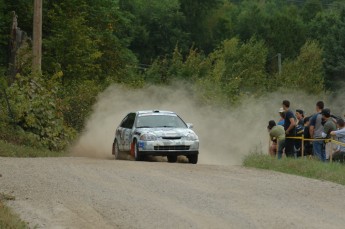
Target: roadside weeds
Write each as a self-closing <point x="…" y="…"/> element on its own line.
<point x="311" y="168"/>
<point x="8" y="219"/>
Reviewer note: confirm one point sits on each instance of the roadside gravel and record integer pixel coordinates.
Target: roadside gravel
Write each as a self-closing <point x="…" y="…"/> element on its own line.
<point x="78" y="192"/>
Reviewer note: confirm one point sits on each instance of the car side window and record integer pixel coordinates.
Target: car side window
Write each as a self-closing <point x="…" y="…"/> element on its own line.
<point x="128" y="121"/>
<point x="124" y="121"/>
<point x="131" y="119"/>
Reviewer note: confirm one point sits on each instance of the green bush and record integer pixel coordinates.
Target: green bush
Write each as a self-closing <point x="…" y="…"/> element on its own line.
<point x="35" y="109"/>
<point x="16" y="135"/>
<point x="237" y="69"/>
<point x="77" y="99"/>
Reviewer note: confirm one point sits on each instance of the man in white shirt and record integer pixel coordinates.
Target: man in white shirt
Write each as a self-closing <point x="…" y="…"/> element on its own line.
<point x="339" y="154"/>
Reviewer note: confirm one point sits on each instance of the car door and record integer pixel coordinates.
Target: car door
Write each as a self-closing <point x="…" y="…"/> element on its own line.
<point x="127" y="131"/>
<point x="120" y="133"/>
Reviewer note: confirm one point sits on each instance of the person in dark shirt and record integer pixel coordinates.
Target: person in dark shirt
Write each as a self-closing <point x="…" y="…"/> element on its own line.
<point x="308" y="145"/>
<point x="316" y="129"/>
<point x="328" y="126"/>
<point x="290" y="129"/>
<point x="299" y="117"/>
<point x="299" y="131"/>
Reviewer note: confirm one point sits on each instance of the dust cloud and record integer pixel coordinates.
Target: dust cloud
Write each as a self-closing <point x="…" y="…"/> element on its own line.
<point x="226" y="135"/>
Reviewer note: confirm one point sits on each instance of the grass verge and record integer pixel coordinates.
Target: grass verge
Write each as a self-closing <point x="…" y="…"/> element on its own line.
<point x="8" y="219"/>
<point x="12" y="150"/>
<point x="334" y="172"/>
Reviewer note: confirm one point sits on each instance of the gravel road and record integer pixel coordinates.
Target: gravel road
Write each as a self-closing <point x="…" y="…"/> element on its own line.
<point x="79" y="192"/>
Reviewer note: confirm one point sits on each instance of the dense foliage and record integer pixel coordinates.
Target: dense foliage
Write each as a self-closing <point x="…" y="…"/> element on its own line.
<point x="226" y="49"/>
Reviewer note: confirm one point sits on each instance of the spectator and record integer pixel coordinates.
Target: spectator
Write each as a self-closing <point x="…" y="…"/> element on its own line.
<point x="339" y="154"/>
<point x="300" y="117"/>
<point x="290" y="130"/>
<point x="299" y="131"/>
<point x="273" y="148"/>
<point x="328" y="127"/>
<point x="282" y="117"/>
<point x="272" y="151"/>
<point x="315" y="130"/>
<point x="277" y="133"/>
<point x="329" y="124"/>
<point x="308" y="145"/>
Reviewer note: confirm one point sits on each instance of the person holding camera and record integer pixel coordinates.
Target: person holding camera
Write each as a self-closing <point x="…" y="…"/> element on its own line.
<point x="277" y="135"/>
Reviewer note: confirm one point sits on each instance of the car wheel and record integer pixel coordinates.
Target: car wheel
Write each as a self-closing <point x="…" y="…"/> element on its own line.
<point x="172" y="159"/>
<point x="116" y="150"/>
<point x="137" y="155"/>
<point x="193" y="159"/>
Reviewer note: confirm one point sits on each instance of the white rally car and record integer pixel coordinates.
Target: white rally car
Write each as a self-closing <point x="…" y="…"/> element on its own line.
<point x="155" y="133"/>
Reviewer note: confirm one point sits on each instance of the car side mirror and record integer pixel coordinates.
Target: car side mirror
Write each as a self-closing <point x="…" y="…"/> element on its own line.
<point x="190" y="125"/>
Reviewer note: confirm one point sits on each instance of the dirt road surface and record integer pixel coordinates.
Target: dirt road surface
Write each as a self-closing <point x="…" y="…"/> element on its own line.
<point x="77" y="192"/>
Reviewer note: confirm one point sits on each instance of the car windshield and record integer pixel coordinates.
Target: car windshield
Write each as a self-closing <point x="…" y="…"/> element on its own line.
<point x="153" y="121"/>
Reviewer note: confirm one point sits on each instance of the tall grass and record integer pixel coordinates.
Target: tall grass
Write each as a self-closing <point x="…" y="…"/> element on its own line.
<point x="12" y="150"/>
<point x="9" y="220"/>
<point x="329" y="171"/>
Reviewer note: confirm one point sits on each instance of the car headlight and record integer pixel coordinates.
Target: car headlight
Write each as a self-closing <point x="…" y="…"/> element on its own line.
<point x="191" y="137"/>
<point x="148" y="137"/>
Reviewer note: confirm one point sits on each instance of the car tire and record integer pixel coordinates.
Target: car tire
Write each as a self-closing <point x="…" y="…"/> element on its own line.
<point x="193" y="159"/>
<point x="172" y="159"/>
<point x="137" y="155"/>
<point x="116" y="150"/>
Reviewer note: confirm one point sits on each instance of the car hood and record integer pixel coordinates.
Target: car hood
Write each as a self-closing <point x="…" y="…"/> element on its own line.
<point x="166" y="132"/>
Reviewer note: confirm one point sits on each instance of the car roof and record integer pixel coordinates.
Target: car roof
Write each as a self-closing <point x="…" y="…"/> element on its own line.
<point x="155" y="112"/>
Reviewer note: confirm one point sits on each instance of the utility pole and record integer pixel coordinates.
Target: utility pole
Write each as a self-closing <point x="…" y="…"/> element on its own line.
<point x="37" y="37"/>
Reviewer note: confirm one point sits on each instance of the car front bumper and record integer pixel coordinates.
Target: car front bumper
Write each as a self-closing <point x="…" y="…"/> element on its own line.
<point x="169" y="147"/>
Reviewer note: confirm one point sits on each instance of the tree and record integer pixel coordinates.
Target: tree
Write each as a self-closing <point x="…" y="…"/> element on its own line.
<point x="251" y="20"/>
<point x="329" y="28"/>
<point x="188" y="69"/>
<point x="304" y="73"/>
<point x="71" y="45"/>
<point x="114" y="29"/>
<point x="220" y="25"/>
<point x="276" y="22"/>
<point x="4" y="33"/>
<point x="157" y="28"/>
<point x="287" y="32"/>
<point x="24" y="10"/>
<point x="238" y="69"/>
<point x="196" y="13"/>
<point x="310" y="9"/>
